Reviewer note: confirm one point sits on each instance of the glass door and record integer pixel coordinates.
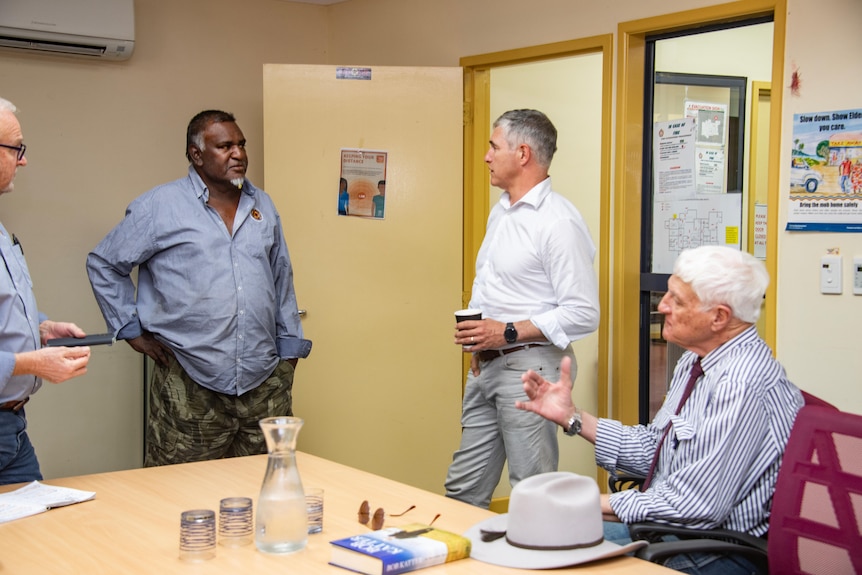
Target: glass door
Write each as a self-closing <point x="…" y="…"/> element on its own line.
<point x="694" y="191"/>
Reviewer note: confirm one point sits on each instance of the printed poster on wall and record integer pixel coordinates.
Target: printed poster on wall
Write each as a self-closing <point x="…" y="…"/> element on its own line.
<point x="825" y="192"/>
<point x="362" y="185"/>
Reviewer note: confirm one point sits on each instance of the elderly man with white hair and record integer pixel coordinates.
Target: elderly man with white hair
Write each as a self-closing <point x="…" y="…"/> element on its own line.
<point x="23" y="360"/>
<point x="710" y="457"/>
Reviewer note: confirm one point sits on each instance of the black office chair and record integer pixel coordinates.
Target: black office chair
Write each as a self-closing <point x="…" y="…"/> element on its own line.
<point x="623" y="482"/>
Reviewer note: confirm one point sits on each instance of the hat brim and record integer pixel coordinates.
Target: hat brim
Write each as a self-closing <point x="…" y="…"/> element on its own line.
<point x="500" y="552"/>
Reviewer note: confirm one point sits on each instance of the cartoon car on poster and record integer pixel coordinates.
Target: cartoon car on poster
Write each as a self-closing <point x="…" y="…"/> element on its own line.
<point x="802" y="176"/>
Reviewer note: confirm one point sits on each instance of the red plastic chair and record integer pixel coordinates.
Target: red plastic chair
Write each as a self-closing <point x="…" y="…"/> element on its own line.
<point x="814" y="400"/>
<point x="816" y="521"/>
<point x="817" y="507"/>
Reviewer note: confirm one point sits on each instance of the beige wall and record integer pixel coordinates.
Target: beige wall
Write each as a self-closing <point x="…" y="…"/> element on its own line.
<point x="816" y="340"/>
<point x="440" y="32"/>
<point x="98" y="135"/>
<point x="102" y="133"/>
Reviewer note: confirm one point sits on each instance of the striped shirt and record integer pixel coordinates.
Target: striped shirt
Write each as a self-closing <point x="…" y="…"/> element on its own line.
<point x="719" y="463"/>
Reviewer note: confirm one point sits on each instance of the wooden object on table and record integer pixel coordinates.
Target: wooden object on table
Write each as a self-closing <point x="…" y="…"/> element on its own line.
<point x="133" y="524"/>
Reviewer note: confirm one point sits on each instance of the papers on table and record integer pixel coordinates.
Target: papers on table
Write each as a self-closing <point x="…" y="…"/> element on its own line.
<point x="36" y="498"/>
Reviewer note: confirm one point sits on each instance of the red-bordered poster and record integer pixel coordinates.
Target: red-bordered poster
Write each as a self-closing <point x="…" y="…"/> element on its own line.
<point x="362" y="186"/>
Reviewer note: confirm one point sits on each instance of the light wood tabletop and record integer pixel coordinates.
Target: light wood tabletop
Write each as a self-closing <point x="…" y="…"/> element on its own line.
<point x="132" y="525"/>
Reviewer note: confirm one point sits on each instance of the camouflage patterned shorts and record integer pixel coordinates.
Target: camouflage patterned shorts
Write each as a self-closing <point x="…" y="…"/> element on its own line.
<point x="188" y="422"/>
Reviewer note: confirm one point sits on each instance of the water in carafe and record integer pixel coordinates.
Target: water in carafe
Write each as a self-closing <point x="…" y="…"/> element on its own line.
<point x="281" y="525"/>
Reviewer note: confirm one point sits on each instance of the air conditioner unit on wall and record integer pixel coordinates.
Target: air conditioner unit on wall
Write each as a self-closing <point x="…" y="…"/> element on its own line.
<point x="95" y="28"/>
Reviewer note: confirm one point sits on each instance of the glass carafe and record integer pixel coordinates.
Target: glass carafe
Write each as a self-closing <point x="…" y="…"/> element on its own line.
<point x="281" y="525"/>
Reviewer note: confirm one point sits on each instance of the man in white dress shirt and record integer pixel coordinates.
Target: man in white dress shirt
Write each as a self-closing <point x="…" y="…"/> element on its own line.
<point x="537" y="290"/>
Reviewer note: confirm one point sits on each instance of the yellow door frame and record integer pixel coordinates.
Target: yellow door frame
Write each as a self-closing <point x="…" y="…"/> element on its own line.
<point x="760" y="92"/>
<point x="477" y="129"/>
<point x="631" y="42"/>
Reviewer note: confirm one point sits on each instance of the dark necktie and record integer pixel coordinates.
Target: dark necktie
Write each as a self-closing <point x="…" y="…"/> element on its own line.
<point x="694" y="375"/>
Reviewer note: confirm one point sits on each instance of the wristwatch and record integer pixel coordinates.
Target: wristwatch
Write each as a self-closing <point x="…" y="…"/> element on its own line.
<point x="574" y="425"/>
<point x="511" y="334"/>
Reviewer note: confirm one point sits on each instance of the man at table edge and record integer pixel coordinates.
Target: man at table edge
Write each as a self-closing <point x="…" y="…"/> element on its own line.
<point x="737" y="418"/>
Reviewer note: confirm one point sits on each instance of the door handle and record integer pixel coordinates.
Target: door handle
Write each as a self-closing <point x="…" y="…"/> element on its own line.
<point x="301" y="312"/>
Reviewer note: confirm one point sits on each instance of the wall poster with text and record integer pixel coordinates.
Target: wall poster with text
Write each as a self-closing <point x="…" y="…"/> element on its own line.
<point x="825" y="192"/>
<point x="362" y="185"/>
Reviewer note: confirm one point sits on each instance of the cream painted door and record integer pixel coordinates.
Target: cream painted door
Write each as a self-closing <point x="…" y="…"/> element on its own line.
<point x="381" y="390"/>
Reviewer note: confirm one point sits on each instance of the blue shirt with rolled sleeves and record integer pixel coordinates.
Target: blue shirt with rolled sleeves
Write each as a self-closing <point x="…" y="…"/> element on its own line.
<point x="223" y="302"/>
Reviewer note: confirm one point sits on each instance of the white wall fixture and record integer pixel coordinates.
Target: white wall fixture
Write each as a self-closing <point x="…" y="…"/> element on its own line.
<point x="91" y="28"/>
<point x="830" y="274"/>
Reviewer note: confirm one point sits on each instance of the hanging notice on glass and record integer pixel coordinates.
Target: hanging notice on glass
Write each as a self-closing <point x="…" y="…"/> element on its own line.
<point x="711" y="140"/>
<point x="760" y="219"/>
<point x="710" y="170"/>
<point x="685" y="213"/>
<point x="825" y="192"/>
<point x="362" y="185"/>
<point x="673" y="159"/>
<point x="680" y="224"/>
<point x="711" y="122"/>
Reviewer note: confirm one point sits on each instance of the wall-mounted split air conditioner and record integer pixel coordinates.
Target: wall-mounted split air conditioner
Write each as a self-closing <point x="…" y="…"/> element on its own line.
<point x="95" y="28"/>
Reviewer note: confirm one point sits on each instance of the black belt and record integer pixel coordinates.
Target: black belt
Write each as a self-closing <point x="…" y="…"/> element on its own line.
<point x="489" y="354"/>
<point x="14" y="405"/>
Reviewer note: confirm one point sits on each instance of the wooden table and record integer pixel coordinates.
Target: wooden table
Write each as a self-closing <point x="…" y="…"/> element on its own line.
<point x="132" y="525"/>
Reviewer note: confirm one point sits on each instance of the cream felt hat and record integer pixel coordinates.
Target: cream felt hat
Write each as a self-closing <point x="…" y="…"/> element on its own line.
<point x="554" y="520"/>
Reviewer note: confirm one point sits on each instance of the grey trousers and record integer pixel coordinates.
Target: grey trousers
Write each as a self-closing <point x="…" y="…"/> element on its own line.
<point x="494" y="430"/>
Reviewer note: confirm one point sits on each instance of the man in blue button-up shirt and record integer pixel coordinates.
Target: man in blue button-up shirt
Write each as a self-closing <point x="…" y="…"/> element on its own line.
<point x="214" y="304"/>
<point x="23" y="360"/>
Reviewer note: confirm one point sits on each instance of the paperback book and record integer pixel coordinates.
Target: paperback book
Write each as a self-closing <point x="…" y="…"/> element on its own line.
<point x="395" y="550"/>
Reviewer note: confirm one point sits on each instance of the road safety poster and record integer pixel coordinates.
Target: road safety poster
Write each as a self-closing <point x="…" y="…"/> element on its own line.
<point x="825" y="192"/>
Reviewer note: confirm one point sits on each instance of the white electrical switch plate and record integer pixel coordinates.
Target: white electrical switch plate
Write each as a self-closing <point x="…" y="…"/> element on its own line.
<point x="857" y="275"/>
<point x="830" y="274"/>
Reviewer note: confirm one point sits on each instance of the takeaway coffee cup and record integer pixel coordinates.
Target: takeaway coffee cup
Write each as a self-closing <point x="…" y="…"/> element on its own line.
<point x="465" y="314"/>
